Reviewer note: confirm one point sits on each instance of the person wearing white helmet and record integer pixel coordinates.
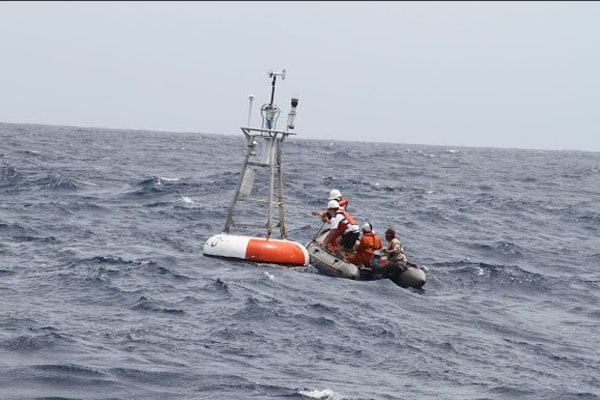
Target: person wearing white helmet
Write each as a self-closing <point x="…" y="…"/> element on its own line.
<point x="343" y="232"/>
<point x="334" y="194"/>
<point x="369" y="242"/>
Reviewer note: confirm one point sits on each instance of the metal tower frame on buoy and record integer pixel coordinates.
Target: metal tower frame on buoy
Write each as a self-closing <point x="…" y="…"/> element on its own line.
<point x="268" y="155"/>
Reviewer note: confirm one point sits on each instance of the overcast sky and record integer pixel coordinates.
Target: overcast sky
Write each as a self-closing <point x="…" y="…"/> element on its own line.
<point x="494" y="74"/>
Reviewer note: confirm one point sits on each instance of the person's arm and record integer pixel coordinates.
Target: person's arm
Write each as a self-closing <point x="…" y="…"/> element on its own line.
<point x="320" y="214"/>
<point x="392" y="248"/>
<point x="361" y="246"/>
<point x="397" y="249"/>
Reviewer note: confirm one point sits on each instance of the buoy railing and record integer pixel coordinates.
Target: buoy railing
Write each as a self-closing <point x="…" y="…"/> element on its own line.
<point x="268" y="156"/>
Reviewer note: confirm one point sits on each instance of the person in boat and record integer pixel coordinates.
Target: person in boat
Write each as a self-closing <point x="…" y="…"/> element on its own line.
<point x="369" y="242"/>
<point x="335" y="194"/>
<point x="395" y="253"/>
<point x="343" y="231"/>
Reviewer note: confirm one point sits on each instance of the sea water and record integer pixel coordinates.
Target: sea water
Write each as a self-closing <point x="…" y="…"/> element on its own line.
<point x="105" y="293"/>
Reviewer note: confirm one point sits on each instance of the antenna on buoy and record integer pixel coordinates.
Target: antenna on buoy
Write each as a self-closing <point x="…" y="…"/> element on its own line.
<point x="250" y="99"/>
<point x="270" y="111"/>
<point x="274" y="75"/>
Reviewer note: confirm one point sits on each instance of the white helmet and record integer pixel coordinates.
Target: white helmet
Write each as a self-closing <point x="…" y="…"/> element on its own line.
<point x="334" y="194"/>
<point x="333" y="204"/>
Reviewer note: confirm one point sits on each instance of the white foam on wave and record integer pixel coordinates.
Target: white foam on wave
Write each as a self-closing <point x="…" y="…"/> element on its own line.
<point x="186" y="199"/>
<point x="165" y="180"/>
<point x="271" y="277"/>
<point x="326" y="394"/>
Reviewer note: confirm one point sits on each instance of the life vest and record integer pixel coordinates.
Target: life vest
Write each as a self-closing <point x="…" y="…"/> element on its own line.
<point x="369" y="246"/>
<point x="365" y="249"/>
<point x="343" y="202"/>
<point x="345" y="223"/>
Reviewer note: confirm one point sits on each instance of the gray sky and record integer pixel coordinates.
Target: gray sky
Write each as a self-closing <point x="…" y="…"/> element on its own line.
<point x="497" y="74"/>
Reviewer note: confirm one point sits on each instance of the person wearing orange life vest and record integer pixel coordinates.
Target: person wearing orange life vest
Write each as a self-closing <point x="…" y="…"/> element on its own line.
<point x="343" y="232"/>
<point x="369" y="242"/>
<point x="335" y="194"/>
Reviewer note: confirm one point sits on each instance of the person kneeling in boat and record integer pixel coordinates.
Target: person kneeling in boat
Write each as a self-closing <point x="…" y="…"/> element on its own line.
<point x="333" y="195"/>
<point x="369" y="242"/>
<point x="395" y="253"/>
<point x="343" y="232"/>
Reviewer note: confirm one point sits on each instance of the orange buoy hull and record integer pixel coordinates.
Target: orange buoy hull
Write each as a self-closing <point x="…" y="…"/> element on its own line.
<point x="273" y="251"/>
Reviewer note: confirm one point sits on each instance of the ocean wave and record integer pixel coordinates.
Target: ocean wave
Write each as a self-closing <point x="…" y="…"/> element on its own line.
<point x="34" y="342"/>
<point x="231" y="386"/>
<point x="322" y="394"/>
<point x="105" y="291"/>
<point x="478" y="273"/>
<point x="146" y="304"/>
<point x="41" y="239"/>
<point x="32" y="153"/>
<point x="15" y="229"/>
<point x="8" y="175"/>
<point x="112" y="260"/>
<point x="498" y="248"/>
<point x="102" y="268"/>
<point x="70" y="369"/>
<point x="255" y="309"/>
<point x="56" y="181"/>
<point x="150" y="377"/>
<point x="218" y="285"/>
<point x="164" y="183"/>
<point x="155" y="185"/>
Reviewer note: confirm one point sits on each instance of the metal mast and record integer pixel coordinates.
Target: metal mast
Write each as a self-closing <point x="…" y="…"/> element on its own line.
<point x="264" y="151"/>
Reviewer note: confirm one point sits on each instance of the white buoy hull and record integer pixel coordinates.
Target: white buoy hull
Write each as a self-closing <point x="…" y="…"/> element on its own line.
<point x="274" y="251"/>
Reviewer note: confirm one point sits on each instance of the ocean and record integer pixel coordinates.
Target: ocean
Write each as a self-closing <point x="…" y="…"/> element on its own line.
<point x="105" y="292"/>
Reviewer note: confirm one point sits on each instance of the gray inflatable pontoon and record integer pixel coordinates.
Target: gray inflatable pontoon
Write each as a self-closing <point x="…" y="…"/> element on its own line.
<point x="331" y="265"/>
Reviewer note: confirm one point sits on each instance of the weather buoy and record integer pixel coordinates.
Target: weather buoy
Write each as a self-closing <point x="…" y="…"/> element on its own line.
<point x="264" y="150"/>
<point x="274" y="251"/>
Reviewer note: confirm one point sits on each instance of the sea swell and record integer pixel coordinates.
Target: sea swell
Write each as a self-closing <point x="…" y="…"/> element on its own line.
<point x="105" y="293"/>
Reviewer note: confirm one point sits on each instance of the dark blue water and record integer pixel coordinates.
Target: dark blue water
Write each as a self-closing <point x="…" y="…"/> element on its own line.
<point x="105" y="293"/>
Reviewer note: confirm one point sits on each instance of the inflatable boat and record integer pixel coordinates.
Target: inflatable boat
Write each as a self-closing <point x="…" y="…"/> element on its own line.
<point x="330" y="264"/>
